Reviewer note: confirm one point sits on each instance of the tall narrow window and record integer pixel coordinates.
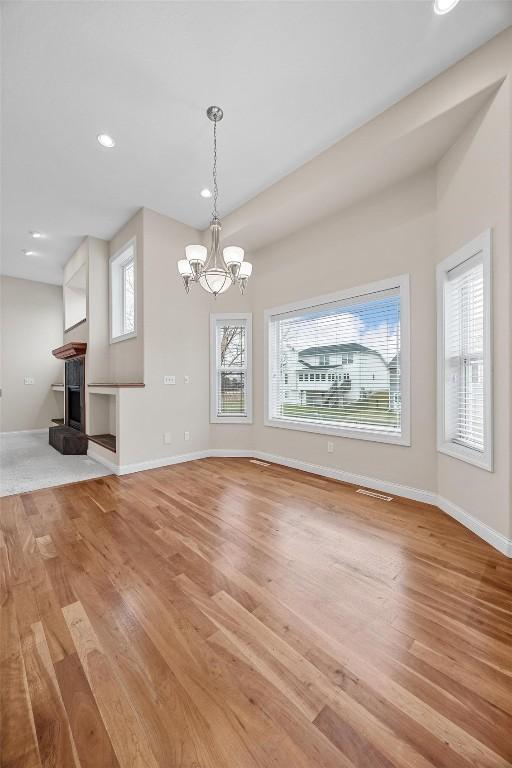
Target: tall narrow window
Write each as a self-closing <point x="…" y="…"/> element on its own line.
<point x="464" y="346"/>
<point x="339" y="364"/>
<point x="128" y="289"/>
<point x="231" y="366"/>
<point x="123" y="293"/>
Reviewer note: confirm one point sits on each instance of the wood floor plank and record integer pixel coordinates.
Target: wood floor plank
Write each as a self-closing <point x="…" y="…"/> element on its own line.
<point x="18" y="742"/>
<point x="168" y="718"/>
<point x="220" y="613"/>
<point x="128" y="738"/>
<point x="89" y="733"/>
<point x="55" y="740"/>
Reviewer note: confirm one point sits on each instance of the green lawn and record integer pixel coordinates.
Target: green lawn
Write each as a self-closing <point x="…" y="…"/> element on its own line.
<point x="372" y="411"/>
<point x="232" y="402"/>
<point x="360" y="412"/>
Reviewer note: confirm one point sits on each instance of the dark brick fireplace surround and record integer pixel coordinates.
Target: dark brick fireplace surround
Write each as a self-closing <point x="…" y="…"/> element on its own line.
<point x="70" y="438"/>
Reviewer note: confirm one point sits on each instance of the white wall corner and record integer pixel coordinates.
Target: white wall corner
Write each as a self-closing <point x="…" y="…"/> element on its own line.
<point x="492" y="537"/>
<point x="166" y="461"/>
<point x="96" y="455"/>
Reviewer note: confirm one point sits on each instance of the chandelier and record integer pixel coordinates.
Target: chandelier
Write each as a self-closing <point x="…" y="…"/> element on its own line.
<point x="213" y="270"/>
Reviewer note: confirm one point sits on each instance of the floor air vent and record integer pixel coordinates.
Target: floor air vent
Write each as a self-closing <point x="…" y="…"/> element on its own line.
<point x="261" y="463"/>
<point x="374" y="495"/>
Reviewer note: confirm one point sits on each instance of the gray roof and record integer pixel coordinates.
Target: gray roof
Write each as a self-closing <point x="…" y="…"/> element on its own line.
<point x="332" y="349"/>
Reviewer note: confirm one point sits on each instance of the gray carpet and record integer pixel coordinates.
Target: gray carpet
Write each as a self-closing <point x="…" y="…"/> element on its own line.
<point x="27" y="463"/>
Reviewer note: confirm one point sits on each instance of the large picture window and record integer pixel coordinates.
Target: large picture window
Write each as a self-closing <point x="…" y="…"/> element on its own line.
<point x="231" y="366"/>
<point x="340" y="364"/>
<point x="123" y="293"/>
<point x="464" y="347"/>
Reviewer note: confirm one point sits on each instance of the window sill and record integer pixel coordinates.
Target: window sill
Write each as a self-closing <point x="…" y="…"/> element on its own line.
<point x="392" y="438"/>
<point x="124" y="337"/>
<point x="468" y="455"/>
<point x="230" y="420"/>
<point x="72" y="327"/>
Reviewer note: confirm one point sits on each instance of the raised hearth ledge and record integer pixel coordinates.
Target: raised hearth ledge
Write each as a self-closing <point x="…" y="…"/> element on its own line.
<point x="107" y="441"/>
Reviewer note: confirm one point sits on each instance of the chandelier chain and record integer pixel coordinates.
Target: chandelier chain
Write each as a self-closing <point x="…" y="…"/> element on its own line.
<point x="215" y="187"/>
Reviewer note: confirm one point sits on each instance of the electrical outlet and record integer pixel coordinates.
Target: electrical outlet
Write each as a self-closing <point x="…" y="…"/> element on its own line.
<point x="187" y="435"/>
<point x="186" y="379"/>
<point x="28" y="380"/>
<point x="169" y="379"/>
<point x="167" y="438"/>
<point x="330" y="447"/>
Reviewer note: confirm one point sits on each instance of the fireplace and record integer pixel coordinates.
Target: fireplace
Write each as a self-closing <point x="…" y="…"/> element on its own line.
<point x="73" y="410"/>
<point x="74" y="385"/>
<point x="71" y="437"/>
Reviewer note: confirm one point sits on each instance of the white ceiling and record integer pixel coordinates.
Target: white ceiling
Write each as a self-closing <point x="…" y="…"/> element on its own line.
<point x="292" y="77"/>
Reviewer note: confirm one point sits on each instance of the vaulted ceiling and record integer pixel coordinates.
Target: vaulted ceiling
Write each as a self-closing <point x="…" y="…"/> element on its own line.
<point x="292" y="78"/>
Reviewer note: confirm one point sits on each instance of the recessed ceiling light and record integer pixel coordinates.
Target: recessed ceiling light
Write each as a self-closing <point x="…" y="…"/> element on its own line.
<point x="444" y="6"/>
<point x="205" y="192"/>
<point x="34" y="234"/>
<point x="106" y="141"/>
<point x="28" y="253"/>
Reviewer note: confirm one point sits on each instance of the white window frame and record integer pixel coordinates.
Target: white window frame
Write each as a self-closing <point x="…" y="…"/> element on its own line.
<point x="401" y="282"/>
<point x="229" y="317"/>
<point x="484" y="460"/>
<point x="119" y="301"/>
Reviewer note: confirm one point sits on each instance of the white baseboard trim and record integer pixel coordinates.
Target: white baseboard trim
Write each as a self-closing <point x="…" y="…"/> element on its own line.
<point x="227" y="453"/>
<point x="492" y="537"/>
<point x="166" y="461"/>
<point x="416" y="494"/>
<point x="96" y="456"/>
<point x="485" y="532"/>
<point x="128" y="469"/>
<point x="24" y="432"/>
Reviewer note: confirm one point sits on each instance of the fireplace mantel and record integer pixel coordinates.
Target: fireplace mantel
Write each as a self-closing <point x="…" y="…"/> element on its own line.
<point x="70" y="350"/>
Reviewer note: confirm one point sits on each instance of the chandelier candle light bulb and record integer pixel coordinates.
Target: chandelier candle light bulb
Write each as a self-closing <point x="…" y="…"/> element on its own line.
<point x="185" y="270"/>
<point x="244" y="274"/>
<point x="233" y="256"/>
<point x="215" y="271"/>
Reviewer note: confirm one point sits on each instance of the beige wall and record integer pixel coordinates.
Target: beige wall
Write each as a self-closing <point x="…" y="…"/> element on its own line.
<point x="31" y="326"/>
<point x="175" y="344"/>
<point x="79" y="259"/>
<point x="403" y="192"/>
<point x="92" y="254"/>
<point x="385" y="236"/>
<point x="126" y="358"/>
<point x="473" y="193"/>
<point x="98" y="353"/>
<point x="409" y="226"/>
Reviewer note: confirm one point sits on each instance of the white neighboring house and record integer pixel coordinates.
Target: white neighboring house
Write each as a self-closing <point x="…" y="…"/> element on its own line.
<point x="334" y="375"/>
<point x="394" y="383"/>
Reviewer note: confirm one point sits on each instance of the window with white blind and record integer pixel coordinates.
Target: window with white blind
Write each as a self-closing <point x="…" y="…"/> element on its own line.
<point x="464" y="354"/>
<point x="339" y="364"/>
<point x="123" y="293"/>
<point x="231" y="368"/>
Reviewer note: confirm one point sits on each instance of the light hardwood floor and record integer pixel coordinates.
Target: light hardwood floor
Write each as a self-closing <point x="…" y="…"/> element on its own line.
<point x="221" y="614"/>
